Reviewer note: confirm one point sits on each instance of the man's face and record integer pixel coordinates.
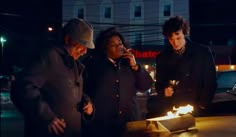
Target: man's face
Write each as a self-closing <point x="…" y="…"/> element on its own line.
<point x="177" y="40"/>
<point x="75" y="49"/>
<point x="115" y="47"/>
<point x="78" y="51"/>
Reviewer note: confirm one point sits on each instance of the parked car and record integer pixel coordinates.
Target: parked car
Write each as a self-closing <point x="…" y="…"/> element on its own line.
<point x="224" y="100"/>
<point x="227" y="81"/>
<point x="226" y="86"/>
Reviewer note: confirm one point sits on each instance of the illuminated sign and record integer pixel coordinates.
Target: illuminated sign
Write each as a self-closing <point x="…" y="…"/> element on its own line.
<point x="145" y="54"/>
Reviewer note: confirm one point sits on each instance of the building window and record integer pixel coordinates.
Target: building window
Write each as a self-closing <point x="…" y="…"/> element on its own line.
<point x="137" y="11"/>
<point x="166" y="10"/>
<point x="107" y="12"/>
<point x="80" y="13"/>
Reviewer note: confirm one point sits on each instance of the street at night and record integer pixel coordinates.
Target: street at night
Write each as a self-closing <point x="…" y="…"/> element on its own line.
<point x="197" y="52"/>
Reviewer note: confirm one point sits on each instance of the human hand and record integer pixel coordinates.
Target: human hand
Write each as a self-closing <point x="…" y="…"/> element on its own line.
<point x="88" y="108"/>
<point x="57" y="126"/>
<point x="169" y="91"/>
<point x="129" y="55"/>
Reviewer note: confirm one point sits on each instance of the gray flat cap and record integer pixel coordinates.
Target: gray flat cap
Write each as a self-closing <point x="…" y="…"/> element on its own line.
<point x="81" y="31"/>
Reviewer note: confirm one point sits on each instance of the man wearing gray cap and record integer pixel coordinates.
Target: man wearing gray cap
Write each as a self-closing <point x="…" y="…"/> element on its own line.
<point x="49" y="92"/>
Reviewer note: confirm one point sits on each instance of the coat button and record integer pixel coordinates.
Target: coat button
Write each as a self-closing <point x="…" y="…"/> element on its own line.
<point x="117" y="95"/>
<point x="117" y="81"/>
<point x="120" y="112"/>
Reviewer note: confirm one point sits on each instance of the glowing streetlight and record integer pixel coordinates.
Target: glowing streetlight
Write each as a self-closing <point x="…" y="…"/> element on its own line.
<point x="50" y="29"/>
<point x="3" y="40"/>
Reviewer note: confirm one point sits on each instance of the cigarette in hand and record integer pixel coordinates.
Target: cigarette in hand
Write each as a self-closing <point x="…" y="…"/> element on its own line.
<point x="126" y="50"/>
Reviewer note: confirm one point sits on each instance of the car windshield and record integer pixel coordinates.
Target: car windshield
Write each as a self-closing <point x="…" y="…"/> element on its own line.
<point x="226" y="79"/>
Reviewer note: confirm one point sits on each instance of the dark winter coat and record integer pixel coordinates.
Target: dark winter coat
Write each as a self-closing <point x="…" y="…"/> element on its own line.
<point x="195" y="71"/>
<point x="50" y="87"/>
<point x="113" y="91"/>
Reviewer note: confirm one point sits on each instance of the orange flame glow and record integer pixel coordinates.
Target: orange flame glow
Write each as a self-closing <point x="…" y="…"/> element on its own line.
<point x="177" y="111"/>
<point x="181" y="110"/>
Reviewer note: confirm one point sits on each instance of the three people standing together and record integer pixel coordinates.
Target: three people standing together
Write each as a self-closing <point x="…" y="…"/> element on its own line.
<point x="52" y="91"/>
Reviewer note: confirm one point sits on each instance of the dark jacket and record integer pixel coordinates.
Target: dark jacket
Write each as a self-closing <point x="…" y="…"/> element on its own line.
<point x="50" y="87"/>
<point x="113" y="91"/>
<point x="195" y="71"/>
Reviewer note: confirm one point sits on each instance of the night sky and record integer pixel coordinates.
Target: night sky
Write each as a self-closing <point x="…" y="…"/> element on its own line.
<point x="26" y="16"/>
<point x="213" y="20"/>
<point x="24" y="24"/>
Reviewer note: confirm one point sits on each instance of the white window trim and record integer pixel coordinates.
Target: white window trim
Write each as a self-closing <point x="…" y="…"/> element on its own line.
<point x="162" y="18"/>
<point x="79" y="5"/>
<point x="103" y="5"/>
<point x="134" y="4"/>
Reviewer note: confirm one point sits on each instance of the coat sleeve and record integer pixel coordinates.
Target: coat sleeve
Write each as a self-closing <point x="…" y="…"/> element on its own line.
<point x="209" y="80"/>
<point x="26" y="93"/>
<point x="143" y="81"/>
<point x="160" y="77"/>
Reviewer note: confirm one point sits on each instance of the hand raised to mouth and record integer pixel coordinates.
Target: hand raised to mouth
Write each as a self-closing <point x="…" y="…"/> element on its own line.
<point x="129" y="55"/>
